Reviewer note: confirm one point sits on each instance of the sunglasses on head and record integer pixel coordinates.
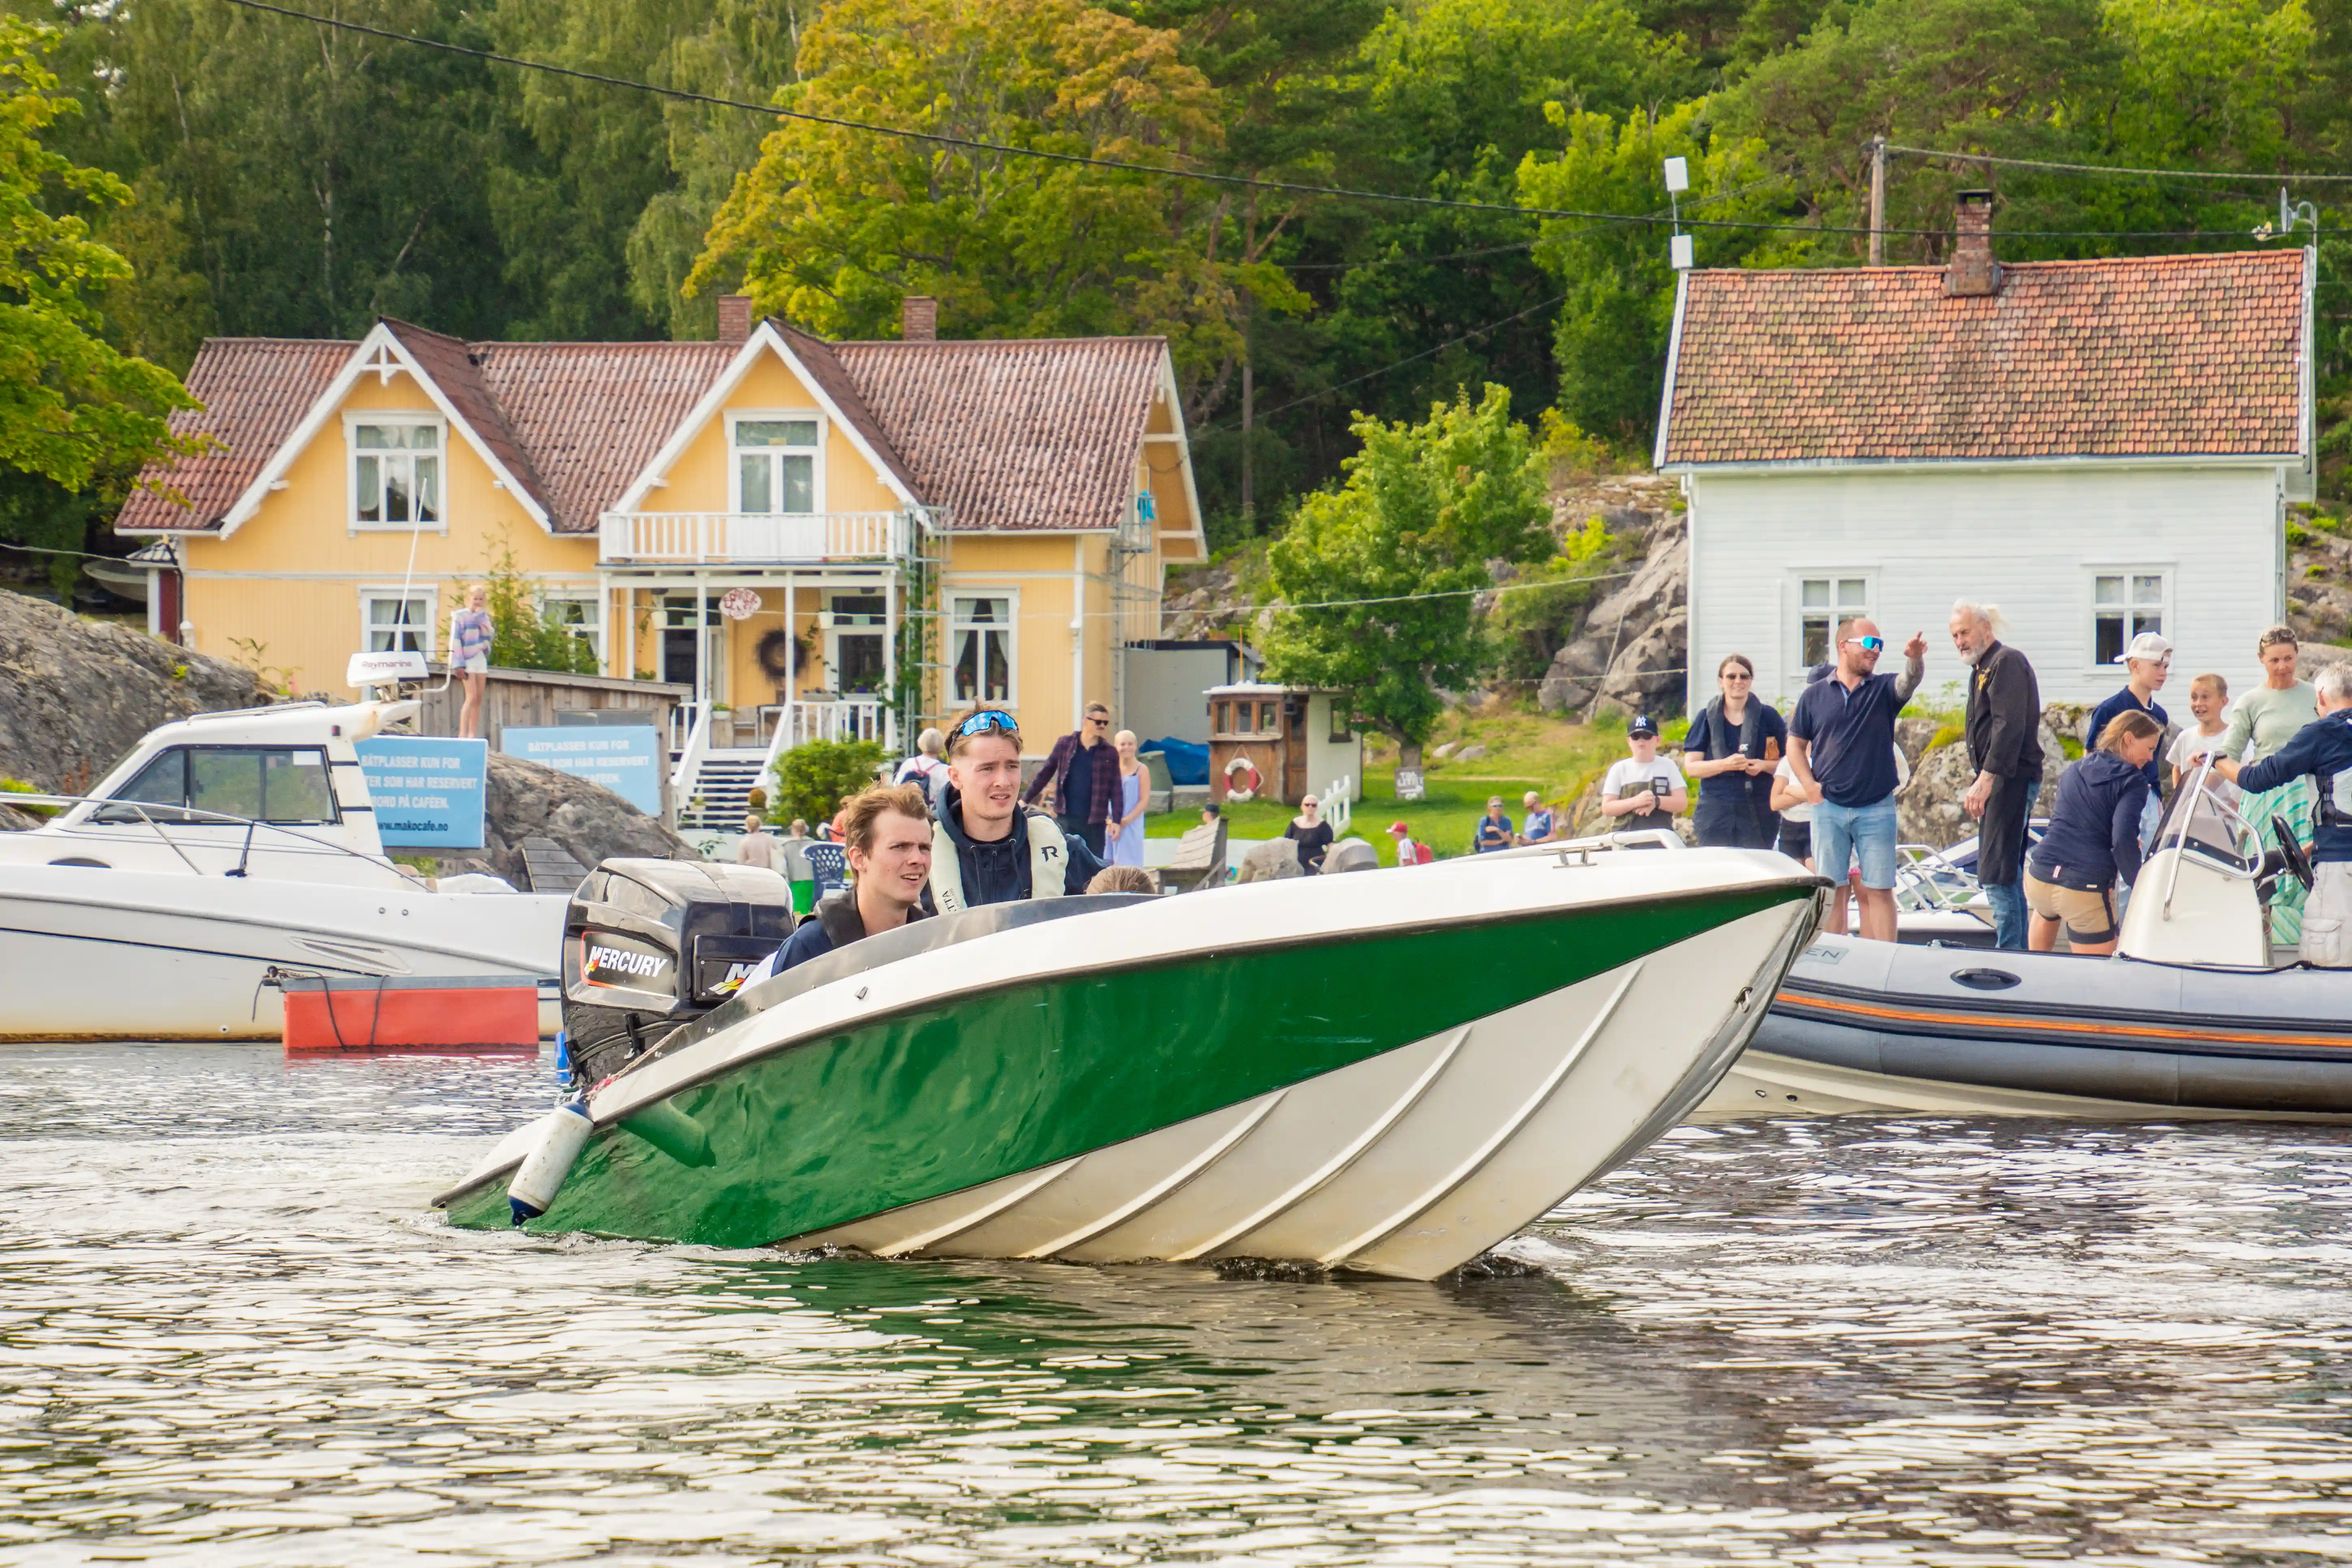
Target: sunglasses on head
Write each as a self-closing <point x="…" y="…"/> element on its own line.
<point x="1869" y="645"/>
<point x="981" y="723"/>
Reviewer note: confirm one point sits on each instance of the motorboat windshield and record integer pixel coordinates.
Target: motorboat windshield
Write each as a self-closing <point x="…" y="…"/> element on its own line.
<point x="915" y="937"/>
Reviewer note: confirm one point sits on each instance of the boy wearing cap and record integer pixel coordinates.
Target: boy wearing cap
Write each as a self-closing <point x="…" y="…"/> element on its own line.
<point x="1408" y="853"/>
<point x="2147" y="662"/>
<point x="1644" y="790"/>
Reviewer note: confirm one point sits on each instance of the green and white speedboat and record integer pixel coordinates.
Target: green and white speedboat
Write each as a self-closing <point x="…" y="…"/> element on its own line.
<point x="1389" y="1071"/>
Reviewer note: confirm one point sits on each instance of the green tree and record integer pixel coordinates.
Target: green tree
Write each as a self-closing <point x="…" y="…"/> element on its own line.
<point x="1610" y="340"/>
<point x="1378" y="572"/>
<point x="833" y="227"/>
<point x="76" y="413"/>
<point x="815" y="777"/>
<point x="521" y="637"/>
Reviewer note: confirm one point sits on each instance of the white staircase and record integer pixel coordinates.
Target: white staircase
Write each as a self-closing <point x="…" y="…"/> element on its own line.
<point x="722" y="788"/>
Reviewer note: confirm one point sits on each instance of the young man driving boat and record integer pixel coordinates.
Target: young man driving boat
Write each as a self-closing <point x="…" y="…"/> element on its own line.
<point x="887" y="839"/>
<point x="2322" y="751"/>
<point x="986" y="847"/>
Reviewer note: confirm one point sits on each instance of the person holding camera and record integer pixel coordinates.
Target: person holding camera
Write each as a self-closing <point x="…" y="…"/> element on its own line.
<point x="1644" y="790"/>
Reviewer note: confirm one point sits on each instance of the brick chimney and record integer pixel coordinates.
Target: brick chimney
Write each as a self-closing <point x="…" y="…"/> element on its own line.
<point x="1972" y="271"/>
<point x="919" y="319"/>
<point x="734" y="317"/>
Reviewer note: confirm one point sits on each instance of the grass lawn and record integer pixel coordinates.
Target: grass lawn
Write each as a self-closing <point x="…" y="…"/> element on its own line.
<point x="1526" y="750"/>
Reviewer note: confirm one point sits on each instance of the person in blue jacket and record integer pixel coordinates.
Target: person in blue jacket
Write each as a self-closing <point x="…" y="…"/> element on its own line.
<point x="2322" y="751"/>
<point x="2094" y="840"/>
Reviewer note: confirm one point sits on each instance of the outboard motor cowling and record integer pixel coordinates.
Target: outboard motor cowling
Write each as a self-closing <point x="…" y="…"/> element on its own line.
<point x="649" y="944"/>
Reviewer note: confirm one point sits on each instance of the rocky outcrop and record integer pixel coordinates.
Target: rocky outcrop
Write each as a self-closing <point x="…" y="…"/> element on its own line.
<point x="1627" y="651"/>
<point x="527" y="801"/>
<point x="1928" y="809"/>
<point x="75" y="695"/>
<point x="2319" y="580"/>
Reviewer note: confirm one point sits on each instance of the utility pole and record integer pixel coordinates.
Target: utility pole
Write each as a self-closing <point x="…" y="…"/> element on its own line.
<point x="1878" y="200"/>
<point x="1249" y="418"/>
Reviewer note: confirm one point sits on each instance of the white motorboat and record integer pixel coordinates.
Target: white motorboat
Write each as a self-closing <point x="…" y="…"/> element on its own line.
<point x="223" y="847"/>
<point x="1390" y="1071"/>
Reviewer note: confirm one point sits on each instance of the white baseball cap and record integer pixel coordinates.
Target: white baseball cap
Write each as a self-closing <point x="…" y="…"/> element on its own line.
<point x="2148" y="645"/>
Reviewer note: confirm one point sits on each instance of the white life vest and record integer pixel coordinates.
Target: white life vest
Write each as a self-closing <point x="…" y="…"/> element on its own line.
<point x="1049" y="860"/>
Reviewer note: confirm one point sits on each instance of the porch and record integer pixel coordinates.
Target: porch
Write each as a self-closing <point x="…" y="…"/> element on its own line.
<point x="783" y="628"/>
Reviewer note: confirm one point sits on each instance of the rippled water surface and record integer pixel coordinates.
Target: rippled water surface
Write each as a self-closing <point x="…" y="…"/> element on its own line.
<point x="231" y="1331"/>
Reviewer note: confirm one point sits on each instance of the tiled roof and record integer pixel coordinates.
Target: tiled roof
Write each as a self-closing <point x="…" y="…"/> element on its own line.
<point x="2174" y="355"/>
<point x="1019" y="434"/>
<point x="254" y="392"/>
<point x="1006" y="435"/>
<point x="591" y="416"/>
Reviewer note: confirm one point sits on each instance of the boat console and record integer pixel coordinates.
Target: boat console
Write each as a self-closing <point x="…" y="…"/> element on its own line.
<point x="2200" y="897"/>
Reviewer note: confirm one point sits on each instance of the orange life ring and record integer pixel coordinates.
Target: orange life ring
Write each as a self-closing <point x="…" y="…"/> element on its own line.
<point x="1243" y="792"/>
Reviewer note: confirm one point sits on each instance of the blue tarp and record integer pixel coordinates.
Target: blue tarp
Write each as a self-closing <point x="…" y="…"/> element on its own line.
<point x="1187" y="763"/>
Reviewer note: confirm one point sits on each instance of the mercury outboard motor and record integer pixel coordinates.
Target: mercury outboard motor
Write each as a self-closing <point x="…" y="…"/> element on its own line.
<point x="649" y="944"/>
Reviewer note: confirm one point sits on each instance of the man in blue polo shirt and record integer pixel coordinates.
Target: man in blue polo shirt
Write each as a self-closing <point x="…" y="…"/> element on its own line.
<point x="1841" y="750"/>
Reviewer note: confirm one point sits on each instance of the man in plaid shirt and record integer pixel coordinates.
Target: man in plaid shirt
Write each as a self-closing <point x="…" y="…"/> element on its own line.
<point x="1082" y="768"/>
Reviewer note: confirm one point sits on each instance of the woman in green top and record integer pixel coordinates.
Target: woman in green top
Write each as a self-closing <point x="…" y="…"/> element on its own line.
<point x="2270" y="715"/>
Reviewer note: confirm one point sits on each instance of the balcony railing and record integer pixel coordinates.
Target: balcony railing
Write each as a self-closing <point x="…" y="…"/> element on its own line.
<point x="733" y="538"/>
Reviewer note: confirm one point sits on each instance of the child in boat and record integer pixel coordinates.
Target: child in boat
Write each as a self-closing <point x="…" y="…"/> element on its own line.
<point x="2208" y="695"/>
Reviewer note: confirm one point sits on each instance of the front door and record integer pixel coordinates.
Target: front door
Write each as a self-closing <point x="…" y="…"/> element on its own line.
<point x="677" y="643"/>
<point x="1295" y="785"/>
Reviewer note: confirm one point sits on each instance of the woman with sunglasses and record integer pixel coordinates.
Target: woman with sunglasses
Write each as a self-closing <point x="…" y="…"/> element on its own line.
<point x="1733" y="747"/>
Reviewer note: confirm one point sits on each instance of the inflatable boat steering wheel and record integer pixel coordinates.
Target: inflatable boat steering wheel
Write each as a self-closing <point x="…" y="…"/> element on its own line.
<point x="2292" y="854"/>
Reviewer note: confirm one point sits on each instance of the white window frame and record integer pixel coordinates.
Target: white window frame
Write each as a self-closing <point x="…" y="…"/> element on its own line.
<point x="1833" y="575"/>
<point x="817" y="492"/>
<point x="589" y="630"/>
<point x="372" y="594"/>
<point x="355" y="417"/>
<point x="1011" y="627"/>
<point x="2129" y="608"/>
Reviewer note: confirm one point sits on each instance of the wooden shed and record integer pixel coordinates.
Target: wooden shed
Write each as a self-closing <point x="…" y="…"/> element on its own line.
<point x="1301" y="739"/>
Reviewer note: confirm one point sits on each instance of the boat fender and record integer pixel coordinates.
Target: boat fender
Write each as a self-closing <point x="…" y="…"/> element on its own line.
<point x="541" y="1175"/>
<point x="672" y="1132"/>
<point x="1049" y="860"/>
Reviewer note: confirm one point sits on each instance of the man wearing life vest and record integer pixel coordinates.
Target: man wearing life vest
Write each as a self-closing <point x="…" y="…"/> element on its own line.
<point x="886" y="831"/>
<point x="986" y="847"/>
<point x="2321" y="751"/>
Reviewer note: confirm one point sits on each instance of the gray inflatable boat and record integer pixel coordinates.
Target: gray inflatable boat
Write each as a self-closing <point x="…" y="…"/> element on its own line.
<point x="2195" y="1016"/>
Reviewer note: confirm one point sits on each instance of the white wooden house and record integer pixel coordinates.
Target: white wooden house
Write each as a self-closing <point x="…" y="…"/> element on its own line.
<point x="2100" y="448"/>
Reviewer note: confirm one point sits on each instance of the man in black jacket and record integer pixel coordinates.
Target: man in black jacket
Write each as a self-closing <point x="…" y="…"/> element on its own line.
<point x="2004" y="723"/>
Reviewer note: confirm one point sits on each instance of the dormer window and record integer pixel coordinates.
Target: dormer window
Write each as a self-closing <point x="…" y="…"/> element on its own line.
<point x="396" y="472"/>
<point x="777" y="463"/>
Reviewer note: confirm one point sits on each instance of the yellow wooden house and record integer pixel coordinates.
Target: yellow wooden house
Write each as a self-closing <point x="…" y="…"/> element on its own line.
<point x="822" y="540"/>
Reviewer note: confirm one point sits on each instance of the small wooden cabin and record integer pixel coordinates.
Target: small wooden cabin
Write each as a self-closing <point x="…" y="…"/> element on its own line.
<point x="1300" y="739"/>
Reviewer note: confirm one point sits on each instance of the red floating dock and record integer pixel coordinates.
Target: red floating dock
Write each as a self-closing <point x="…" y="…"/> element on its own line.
<point x="354" y="1015"/>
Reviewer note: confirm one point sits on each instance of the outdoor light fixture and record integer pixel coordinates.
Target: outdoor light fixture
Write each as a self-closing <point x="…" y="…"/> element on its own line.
<point x="1678" y="249"/>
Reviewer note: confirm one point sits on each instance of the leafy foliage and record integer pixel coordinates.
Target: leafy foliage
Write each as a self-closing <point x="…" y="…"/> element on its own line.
<point x="1424" y="508"/>
<point x="74" y="409"/>
<point x="815" y="777"/>
<point x="521" y="637"/>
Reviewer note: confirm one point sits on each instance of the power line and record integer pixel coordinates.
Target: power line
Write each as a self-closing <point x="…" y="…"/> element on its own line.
<point x="1399" y="364"/>
<point x="1238" y="181"/>
<point x="2255" y="177"/>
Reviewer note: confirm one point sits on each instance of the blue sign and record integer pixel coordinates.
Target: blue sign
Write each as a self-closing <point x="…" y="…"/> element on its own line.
<point x="626" y="759"/>
<point x="427" y="790"/>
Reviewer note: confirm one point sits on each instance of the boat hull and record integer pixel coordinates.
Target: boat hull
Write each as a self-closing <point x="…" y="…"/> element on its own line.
<point x="1390" y="1098"/>
<point x="88" y="953"/>
<point x="1864" y="1027"/>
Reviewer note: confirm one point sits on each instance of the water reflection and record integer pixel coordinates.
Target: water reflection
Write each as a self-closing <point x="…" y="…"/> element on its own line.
<point x="229" y="1334"/>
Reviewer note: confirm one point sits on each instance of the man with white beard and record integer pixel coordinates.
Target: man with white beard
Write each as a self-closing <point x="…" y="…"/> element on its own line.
<point x="2004" y="723"/>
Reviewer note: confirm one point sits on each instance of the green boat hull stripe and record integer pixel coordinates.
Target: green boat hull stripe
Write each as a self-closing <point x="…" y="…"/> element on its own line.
<point x="970" y="1087"/>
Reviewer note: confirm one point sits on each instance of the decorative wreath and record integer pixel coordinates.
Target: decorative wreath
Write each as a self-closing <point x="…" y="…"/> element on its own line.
<point x="1237" y="790"/>
<point x="782" y="655"/>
